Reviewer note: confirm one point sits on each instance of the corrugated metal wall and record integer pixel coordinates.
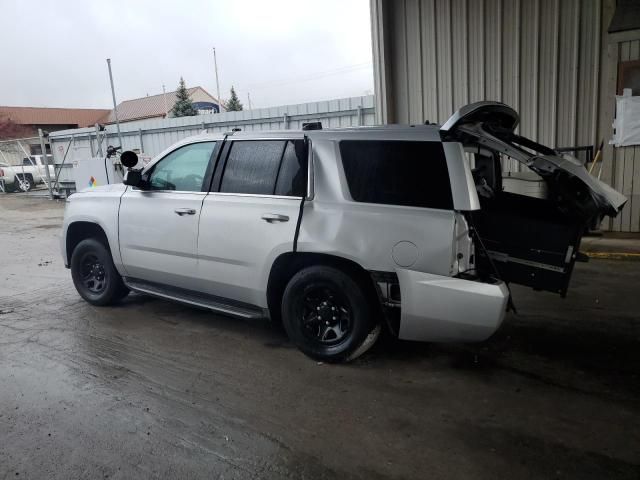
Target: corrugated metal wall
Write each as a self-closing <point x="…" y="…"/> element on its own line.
<point x="539" y="56"/>
<point x="154" y="136"/>
<point x="626" y="161"/>
<point x="542" y="57"/>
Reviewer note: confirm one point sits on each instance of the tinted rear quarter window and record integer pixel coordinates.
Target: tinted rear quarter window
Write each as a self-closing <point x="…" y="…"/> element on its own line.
<point x="397" y="173"/>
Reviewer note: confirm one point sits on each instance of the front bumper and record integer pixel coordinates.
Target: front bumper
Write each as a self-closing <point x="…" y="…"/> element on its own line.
<point x="446" y="309"/>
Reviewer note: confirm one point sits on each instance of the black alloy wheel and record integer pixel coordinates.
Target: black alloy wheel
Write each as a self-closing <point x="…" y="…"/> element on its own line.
<point x="94" y="274"/>
<point x="327" y="312"/>
<point x="326" y="316"/>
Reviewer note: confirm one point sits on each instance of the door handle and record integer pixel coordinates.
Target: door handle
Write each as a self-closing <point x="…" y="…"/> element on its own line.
<point x="274" y="217"/>
<point x="185" y="211"/>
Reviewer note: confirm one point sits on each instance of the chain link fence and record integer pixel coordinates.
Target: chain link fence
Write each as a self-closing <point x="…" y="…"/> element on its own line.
<point x="23" y="167"/>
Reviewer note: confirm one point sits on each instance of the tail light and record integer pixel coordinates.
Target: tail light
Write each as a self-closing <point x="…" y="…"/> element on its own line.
<point x="1" y="172"/>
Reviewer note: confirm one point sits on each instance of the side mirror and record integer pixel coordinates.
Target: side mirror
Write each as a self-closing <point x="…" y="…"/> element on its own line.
<point x="129" y="159"/>
<point x="133" y="178"/>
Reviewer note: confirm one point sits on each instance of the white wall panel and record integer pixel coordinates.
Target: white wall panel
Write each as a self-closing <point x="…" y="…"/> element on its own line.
<point x="157" y="135"/>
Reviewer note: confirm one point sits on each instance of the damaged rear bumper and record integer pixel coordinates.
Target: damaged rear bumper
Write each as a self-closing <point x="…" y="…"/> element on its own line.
<point x="446" y="309"/>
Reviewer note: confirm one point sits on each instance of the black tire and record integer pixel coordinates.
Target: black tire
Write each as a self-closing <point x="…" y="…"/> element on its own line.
<point x="94" y="275"/>
<point x="10" y="187"/>
<point x="326" y="313"/>
<point x="25" y="185"/>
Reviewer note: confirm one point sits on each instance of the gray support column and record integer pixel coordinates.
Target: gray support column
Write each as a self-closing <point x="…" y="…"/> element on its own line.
<point x="45" y="162"/>
<point x="381" y="34"/>
<point x="93" y="150"/>
<point x="98" y="140"/>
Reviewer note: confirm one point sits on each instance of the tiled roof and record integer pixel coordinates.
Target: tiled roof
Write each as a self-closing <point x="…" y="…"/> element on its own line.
<point x="83" y="117"/>
<point x="148" y="107"/>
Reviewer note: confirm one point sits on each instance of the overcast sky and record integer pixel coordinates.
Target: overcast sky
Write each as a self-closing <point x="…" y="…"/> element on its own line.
<point x="52" y="53"/>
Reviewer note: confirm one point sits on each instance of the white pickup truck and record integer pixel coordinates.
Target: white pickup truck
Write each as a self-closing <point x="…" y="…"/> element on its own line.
<point x="24" y="177"/>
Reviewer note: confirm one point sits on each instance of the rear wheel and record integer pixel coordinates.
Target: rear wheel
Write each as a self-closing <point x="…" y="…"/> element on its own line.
<point x="326" y="313"/>
<point x="23" y="183"/>
<point x="94" y="275"/>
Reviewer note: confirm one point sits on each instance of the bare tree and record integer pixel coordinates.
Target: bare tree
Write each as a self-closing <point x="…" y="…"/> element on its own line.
<point x="9" y="129"/>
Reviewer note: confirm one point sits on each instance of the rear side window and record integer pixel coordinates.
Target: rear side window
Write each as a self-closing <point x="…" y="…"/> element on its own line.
<point x="407" y="173"/>
<point x="269" y="167"/>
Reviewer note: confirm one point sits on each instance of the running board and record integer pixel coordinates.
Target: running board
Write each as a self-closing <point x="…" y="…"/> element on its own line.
<point x="210" y="302"/>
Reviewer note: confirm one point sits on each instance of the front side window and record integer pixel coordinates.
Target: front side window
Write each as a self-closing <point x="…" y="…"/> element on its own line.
<point x="183" y="169"/>
<point x="395" y="172"/>
<point x="266" y="167"/>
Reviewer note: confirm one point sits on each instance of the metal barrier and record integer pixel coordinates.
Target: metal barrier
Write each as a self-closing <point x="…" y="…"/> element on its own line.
<point x="24" y="168"/>
<point x="150" y="137"/>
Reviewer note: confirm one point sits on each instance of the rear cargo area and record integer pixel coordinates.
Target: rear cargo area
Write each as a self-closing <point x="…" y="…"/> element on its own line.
<point x="527" y="240"/>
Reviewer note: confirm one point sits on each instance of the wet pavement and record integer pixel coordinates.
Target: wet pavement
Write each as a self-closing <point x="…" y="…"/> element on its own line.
<point x="151" y="389"/>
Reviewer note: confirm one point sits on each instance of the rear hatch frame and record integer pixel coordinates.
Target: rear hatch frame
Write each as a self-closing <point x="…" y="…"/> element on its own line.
<point x="530" y="241"/>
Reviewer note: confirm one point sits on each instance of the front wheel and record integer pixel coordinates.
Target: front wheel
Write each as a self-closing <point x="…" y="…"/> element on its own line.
<point x="326" y="313"/>
<point x="94" y="275"/>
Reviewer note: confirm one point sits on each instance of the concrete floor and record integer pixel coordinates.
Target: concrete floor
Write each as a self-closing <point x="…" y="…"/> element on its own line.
<point x="151" y="389"/>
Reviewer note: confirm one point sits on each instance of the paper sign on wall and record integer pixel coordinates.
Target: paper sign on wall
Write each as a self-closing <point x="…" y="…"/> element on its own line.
<point x="627" y="123"/>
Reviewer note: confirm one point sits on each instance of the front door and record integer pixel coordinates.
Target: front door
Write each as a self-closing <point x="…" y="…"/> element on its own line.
<point x="159" y="222"/>
<point x="251" y="218"/>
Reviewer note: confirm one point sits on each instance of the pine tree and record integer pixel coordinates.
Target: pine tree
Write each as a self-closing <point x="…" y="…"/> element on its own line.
<point x="183" y="106"/>
<point x="233" y="104"/>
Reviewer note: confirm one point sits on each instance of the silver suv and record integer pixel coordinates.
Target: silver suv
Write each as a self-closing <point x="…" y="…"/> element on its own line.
<point x="339" y="233"/>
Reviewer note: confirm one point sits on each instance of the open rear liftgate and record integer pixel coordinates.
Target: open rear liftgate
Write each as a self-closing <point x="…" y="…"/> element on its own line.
<point x="530" y="241"/>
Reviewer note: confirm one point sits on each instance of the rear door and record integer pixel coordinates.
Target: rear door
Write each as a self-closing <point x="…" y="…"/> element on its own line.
<point x="250" y="216"/>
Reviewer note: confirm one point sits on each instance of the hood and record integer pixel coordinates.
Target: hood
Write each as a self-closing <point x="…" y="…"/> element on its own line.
<point x="492" y="125"/>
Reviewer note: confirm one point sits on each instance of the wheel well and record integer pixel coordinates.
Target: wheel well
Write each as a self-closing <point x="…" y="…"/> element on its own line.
<point x="79" y="231"/>
<point x="26" y="175"/>
<point x="288" y="264"/>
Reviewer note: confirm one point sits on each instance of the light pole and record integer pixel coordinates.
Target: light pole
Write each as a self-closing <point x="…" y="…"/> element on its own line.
<point x="115" y="105"/>
<point x="166" y="108"/>
<point x="215" y="65"/>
